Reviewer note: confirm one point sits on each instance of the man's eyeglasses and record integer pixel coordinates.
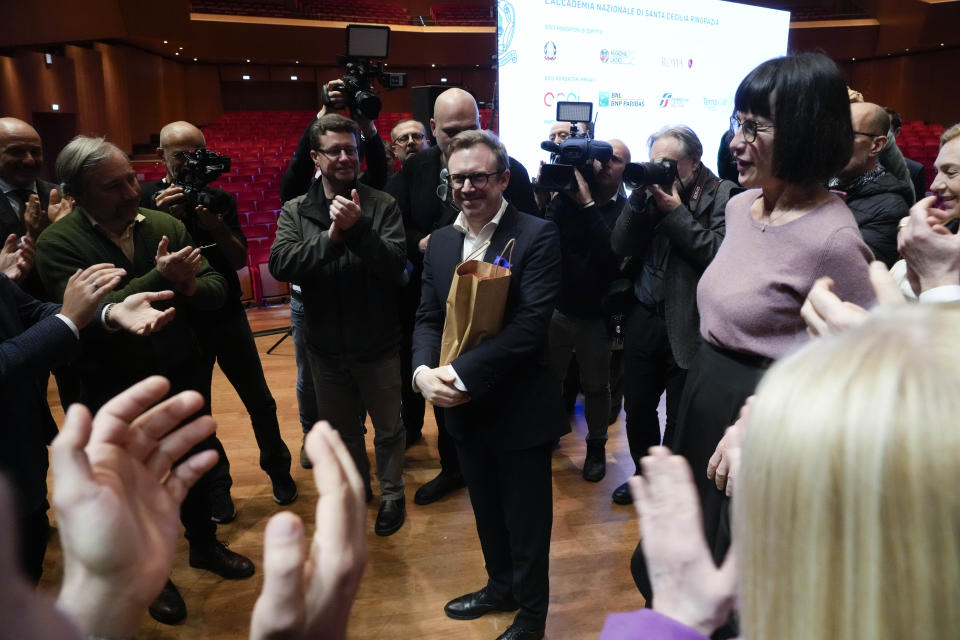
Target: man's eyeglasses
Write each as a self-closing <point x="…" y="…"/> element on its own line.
<point x="478" y="180"/>
<point x="869" y="135"/>
<point x="335" y="152"/>
<point x="750" y="128"/>
<point x="407" y="137"/>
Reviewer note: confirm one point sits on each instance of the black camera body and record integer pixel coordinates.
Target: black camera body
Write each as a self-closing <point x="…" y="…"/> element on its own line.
<point x="575" y="153"/>
<point x="200" y="168"/>
<point x="662" y="172"/>
<point x="357" y="86"/>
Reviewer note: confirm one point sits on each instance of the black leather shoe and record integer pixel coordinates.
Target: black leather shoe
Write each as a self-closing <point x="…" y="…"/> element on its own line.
<point x="595" y="464"/>
<point x="222" y="510"/>
<point x="304" y="458"/>
<point x="284" y="488"/>
<point x="390" y="517"/>
<point x="622" y="495"/>
<point x="476" y="604"/>
<point x="516" y="632"/>
<point x="216" y="557"/>
<point x="169" y="607"/>
<point x="440" y="486"/>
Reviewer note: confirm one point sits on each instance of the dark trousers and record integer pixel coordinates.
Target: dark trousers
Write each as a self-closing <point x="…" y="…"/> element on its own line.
<point x="512" y="497"/>
<point x="306" y="396"/>
<point x="230" y="343"/>
<point x="648" y="370"/>
<point x="33" y="531"/>
<point x="412" y="404"/>
<point x="718" y="384"/>
<point x="195" y="510"/>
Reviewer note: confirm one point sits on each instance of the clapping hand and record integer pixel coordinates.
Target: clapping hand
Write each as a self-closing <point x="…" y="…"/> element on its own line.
<point x="308" y="594"/>
<point x="687" y="585"/>
<point x="179" y="268"/>
<point x="117" y="496"/>
<point x="16" y="257"/>
<point x="137" y="315"/>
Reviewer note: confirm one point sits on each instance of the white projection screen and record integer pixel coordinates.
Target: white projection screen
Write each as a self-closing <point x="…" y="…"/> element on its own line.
<point x="642" y="63"/>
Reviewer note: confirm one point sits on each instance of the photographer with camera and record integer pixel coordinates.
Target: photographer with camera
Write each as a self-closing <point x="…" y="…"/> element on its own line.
<point x="300" y="174"/>
<point x="585" y="217"/>
<point x="224" y="334"/>
<point x="670" y="230"/>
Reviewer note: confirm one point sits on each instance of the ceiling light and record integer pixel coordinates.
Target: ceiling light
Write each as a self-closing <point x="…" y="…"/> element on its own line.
<point x="181" y="48"/>
<point x="165" y="41"/>
<point x="246" y="77"/>
<point x="443" y="79"/>
<point x="294" y="78"/>
<point x="176" y="53"/>
<point x="298" y="62"/>
<point x="433" y="66"/>
<point x="248" y="59"/>
<point x="55" y="107"/>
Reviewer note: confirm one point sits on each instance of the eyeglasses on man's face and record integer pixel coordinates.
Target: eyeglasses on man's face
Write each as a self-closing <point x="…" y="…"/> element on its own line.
<point x="750" y="128"/>
<point x="407" y="137"/>
<point x="334" y="152"/>
<point x="478" y="180"/>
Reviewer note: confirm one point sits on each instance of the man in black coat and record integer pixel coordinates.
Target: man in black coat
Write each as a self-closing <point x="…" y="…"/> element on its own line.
<point x="877" y="198"/>
<point x="427" y="204"/>
<point x="500" y="399"/>
<point x="225" y="335"/>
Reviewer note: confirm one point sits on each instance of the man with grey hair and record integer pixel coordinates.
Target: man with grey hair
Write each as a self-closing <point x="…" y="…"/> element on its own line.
<point x="154" y="249"/>
<point x="408" y="137"/>
<point x="500" y="401"/>
<point x="670" y="236"/>
<point x="343" y="242"/>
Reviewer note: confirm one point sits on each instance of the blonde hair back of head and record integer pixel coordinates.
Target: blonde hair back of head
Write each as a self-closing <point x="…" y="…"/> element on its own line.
<point x="847" y="517"/>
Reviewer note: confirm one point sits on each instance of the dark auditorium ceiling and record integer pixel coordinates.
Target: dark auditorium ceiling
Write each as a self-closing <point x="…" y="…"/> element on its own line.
<point x="845" y="29"/>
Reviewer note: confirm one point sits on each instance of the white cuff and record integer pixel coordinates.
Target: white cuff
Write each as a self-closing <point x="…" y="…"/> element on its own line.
<point x="413" y="381"/>
<point x="458" y="383"/>
<point x="945" y="293"/>
<point x="67" y="321"/>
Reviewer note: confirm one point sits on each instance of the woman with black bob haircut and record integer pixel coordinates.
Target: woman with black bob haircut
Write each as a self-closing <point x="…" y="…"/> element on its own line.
<point x="792" y="132"/>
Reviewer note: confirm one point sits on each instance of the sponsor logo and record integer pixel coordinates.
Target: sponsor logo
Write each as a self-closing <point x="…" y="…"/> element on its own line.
<point x="617" y="56"/>
<point x="718" y="104"/>
<point x="670" y="101"/>
<point x="506" y="26"/>
<point x="550" y="51"/>
<point x="550" y="98"/>
<point x="615" y="99"/>
<point x="676" y="62"/>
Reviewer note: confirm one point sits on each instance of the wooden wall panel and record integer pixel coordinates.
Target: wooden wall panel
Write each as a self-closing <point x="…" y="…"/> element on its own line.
<point x="14" y="100"/>
<point x="204" y="101"/>
<point x="116" y="95"/>
<point x="91" y="101"/>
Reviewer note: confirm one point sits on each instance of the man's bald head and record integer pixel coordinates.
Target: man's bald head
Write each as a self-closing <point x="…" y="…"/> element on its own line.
<point x="869" y="118"/>
<point x="21" y="153"/>
<point x="175" y="139"/>
<point x="870" y="126"/>
<point x="454" y="111"/>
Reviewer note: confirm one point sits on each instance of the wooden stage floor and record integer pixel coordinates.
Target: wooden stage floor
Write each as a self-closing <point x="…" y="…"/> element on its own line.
<point x="433" y="558"/>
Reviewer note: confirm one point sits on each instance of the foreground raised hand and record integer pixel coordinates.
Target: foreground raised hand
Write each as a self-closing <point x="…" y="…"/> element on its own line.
<point x="309" y="594"/>
<point x="687" y="585"/>
<point x="117" y="497"/>
<point x="826" y="314"/>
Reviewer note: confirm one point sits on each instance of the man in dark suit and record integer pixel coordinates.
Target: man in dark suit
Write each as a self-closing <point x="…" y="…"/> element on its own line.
<point x="670" y="238"/>
<point x="28" y="204"/>
<point x="426" y="205"/>
<point x="500" y="399"/>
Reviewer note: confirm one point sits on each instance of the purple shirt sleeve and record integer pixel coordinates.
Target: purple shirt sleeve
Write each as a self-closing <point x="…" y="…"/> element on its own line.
<point x="646" y="624"/>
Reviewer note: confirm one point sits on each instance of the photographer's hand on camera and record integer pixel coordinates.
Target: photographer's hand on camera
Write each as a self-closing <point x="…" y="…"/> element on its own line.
<point x="179" y="268"/>
<point x="171" y="201"/>
<point x="582" y="195"/>
<point x="666" y="201"/>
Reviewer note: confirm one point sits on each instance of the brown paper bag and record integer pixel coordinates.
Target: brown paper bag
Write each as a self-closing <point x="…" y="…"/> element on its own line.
<point x="475" y="303"/>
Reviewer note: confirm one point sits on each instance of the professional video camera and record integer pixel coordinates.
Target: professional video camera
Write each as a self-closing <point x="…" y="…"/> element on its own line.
<point x="200" y="168"/>
<point x="662" y="171"/>
<point x="363" y="43"/>
<point x="576" y="152"/>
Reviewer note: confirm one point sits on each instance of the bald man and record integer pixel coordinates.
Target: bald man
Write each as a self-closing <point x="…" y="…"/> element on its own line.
<point x="877" y="198"/>
<point x="417" y="188"/>
<point x="224" y="334"/>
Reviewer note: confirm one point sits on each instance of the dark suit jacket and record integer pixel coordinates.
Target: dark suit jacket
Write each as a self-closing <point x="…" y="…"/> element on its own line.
<point x="10" y="222"/>
<point x="514" y="395"/>
<point x="918" y="176"/>
<point x="31" y="342"/>
<point x="695" y="232"/>
<point x="415" y="189"/>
